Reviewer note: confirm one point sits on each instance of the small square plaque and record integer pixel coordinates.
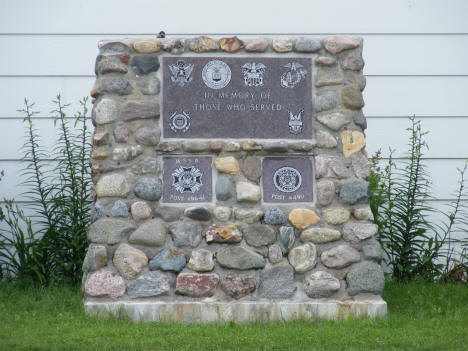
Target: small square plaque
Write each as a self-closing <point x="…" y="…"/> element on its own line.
<point x="187" y="179"/>
<point x="287" y="179"/>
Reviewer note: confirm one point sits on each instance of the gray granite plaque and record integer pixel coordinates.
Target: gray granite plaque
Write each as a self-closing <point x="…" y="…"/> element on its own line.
<point x="187" y="179"/>
<point x="237" y="97"/>
<point x="287" y="179"/>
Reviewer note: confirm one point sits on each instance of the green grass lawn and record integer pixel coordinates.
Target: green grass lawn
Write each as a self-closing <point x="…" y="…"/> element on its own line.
<point x="421" y="317"/>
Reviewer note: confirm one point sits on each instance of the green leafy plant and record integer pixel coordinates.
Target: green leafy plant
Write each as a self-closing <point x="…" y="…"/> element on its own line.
<point x="52" y="242"/>
<point x="414" y="247"/>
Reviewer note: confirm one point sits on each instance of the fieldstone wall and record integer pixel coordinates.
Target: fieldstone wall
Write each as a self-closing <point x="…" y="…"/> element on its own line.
<point x="234" y="242"/>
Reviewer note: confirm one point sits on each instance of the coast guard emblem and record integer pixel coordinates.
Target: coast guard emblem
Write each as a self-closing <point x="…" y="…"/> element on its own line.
<point x="295" y="73"/>
<point x="287" y="179"/>
<point x="253" y="73"/>
<point x="187" y="179"/>
<point x="295" y="122"/>
<point x="179" y="122"/>
<point x="181" y="73"/>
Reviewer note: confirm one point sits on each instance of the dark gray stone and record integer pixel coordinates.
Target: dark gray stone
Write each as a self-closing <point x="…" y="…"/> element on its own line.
<point x="277" y="282"/>
<point x="148" y="189"/>
<point x="111" y="65"/>
<point x="325" y="192"/>
<point x="372" y="250"/>
<point x="360" y="120"/>
<point x="278" y="146"/>
<point x="304" y="44"/>
<point x="148" y="165"/>
<point x="198" y="213"/>
<point x="150" y="284"/>
<point x="148" y="135"/>
<point x="275" y="215"/>
<point x="355" y="191"/>
<point x="186" y="233"/>
<point x="168" y="213"/>
<point x="259" y="234"/>
<point x="96" y="257"/>
<point x="112" y="85"/>
<point x="114" y="47"/>
<point x="98" y="211"/>
<point x="351" y="97"/>
<point x="236" y="257"/>
<point x="96" y="63"/>
<point x="275" y="254"/>
<point x="325" y="101"/>
<point x="108" y="231"/>
<point x="365" y="277"/>
<point x="142" y="64"/>
<point x="224" y="188"/>
<point x="119" y="209"/>
<point x="168" y="259"/>
<point x="287" y="238"/>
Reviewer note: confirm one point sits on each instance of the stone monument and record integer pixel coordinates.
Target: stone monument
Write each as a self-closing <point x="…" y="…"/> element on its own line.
<point x="231" y="182"/>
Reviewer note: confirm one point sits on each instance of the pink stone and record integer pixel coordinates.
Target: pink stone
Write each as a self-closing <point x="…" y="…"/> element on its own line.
<point x="105" y="283"/>
<point x="197" y="285"/>
<point x="238" y="287"/>
<point x="257" y="45"/>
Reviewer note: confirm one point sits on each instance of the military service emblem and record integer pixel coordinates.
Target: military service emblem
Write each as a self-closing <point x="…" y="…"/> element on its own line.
<point x="293" y="76"/>
<point x="253" y="73"/>
<point x="216" y="74"/>
<point x="187" y="179"/>
<point x="181" y="73"/>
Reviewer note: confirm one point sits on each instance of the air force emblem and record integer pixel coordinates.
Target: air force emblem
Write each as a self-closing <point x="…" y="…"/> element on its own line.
<point x="181" y="73"/>
<point x="253" y="73"/>
<point x="295" y="73"/>
<point x="187" y="179"/>
<point x="295" y="122"/>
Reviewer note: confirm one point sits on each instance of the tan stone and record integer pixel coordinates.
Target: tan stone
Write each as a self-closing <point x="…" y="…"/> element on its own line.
<point x="129" y="261"/>
<point x="251" y="145"/>
<point x="320" y="235"/>
<point x="353" y="141"/>
<point x="112" y="185"/>
<point x="227" y="165"/>
<point x="203" y="44"/>
<point x="302" y="217"/>
<point x="99" y="154"/>
<point x="146" y="46"/>
<point x="282" y="45"/>
<point x="140" y="210"/>
<point x="231" y="45"/>
<point x="335" y="215"/>
<point x="337" y="43"/>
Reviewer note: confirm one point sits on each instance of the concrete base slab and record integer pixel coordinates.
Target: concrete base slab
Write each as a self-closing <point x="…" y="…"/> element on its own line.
<point x="238" y="311"/>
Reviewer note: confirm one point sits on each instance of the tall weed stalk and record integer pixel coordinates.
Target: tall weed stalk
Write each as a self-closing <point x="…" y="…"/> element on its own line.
<point x="414" y="247"/>
<point x="59" y="198"/>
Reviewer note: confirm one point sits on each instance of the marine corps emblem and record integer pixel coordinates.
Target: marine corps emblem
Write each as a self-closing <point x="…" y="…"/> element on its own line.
<point x="287" y="179"/>
<point x="179" y="122"/>
<point x="181" y="72"/>
<point x="187" y="179"/>
<point x="295" y="73"/>
<point x="253" y="73"/>
<point x="295" y="122"/>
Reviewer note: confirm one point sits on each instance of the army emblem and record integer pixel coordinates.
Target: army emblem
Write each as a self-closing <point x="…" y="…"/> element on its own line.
<point x="187" y="179"/>
<point x="216" y="74"/>
<point x="295" y="122"/>
<point x="181" y="73"/>
<point x="287" y="179"/>
<point x="293" y="76"/>
<point x="179" y="122"/>
<point x="253" y="74"/>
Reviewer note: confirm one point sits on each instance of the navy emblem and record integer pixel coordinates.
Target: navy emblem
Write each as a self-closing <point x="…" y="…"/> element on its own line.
<point x="295" y="122"/>
<point x="253" y="73"/>
<point x="179" y="122"/>
<point x="295" y="73"/>
<point x="216" y="74"/>
<point x="187" y="179"/>
<point x="287" y="179"/>
<point x="181" y="72"/>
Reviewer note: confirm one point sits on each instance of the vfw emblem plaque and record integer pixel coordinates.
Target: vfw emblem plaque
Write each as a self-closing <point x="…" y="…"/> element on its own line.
<point x="187" y="179"/>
